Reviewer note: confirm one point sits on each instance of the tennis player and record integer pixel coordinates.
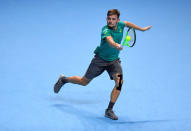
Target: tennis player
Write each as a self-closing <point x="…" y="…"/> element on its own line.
<point x="106" y="58"/>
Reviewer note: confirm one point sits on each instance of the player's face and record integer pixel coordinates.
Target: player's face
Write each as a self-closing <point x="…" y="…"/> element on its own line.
<point x="112" y="21"/>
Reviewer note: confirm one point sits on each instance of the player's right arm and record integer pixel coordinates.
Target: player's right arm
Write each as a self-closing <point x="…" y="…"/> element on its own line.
<point x="111" y="42"/>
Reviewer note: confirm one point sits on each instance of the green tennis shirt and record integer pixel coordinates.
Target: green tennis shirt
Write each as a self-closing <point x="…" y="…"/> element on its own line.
<point x="106" y="51"/>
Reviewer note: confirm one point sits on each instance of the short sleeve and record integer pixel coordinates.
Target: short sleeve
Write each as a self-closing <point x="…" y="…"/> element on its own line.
<point x="122" y="24"/>
<point x="105" y="32"/>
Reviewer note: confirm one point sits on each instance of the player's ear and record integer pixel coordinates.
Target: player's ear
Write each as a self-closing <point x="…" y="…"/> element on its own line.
<point x="118" y="20"/>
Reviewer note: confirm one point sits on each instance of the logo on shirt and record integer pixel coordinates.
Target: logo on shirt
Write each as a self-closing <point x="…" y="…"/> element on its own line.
<point x="105" y="31"/>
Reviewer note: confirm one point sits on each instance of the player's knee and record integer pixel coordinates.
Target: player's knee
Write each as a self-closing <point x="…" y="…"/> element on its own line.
<point x="84" y="83"/>
<point x="119" y="82"/>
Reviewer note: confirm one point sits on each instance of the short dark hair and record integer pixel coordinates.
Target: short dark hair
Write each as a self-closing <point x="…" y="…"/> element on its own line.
<point x="113" y="12"/>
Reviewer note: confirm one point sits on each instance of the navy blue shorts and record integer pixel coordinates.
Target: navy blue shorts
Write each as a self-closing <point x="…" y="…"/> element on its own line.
<point x="98" y="66"/>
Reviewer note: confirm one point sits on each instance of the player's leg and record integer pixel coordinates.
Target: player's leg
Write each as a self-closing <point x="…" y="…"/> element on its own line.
<point x="74" y="79"/>
<point x="93" y="71"/>
<point x="117" y="88"/>
<point x="115" y="72"/>
<point x="78" y="80"/>
<point x="114" y="95"/>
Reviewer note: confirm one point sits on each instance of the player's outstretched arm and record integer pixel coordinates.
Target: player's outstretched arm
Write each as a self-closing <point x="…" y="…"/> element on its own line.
<point x="129" y="24"/>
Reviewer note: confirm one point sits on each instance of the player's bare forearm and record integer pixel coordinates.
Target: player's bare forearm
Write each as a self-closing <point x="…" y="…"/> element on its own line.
<point x="111" y="42"/>
<point x="129" y="24"/>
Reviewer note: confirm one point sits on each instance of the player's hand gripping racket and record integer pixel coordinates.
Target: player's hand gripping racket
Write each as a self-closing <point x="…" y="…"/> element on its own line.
<point x="130" y="38"/>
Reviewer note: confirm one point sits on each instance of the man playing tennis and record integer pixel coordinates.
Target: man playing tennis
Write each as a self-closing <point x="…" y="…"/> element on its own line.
<point x="106" y="58"/>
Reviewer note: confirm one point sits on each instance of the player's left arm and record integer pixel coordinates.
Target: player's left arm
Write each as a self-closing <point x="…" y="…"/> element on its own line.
<point x="129" y="24"/>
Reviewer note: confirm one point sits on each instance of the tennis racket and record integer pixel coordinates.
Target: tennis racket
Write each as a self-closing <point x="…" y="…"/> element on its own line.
<point x="130" y="38"/>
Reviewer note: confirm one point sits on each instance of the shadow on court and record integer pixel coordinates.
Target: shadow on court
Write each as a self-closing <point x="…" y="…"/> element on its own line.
<point x="94" y="122"/>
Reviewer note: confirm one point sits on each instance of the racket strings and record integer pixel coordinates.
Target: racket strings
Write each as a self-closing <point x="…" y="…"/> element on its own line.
<point x="129" y="41"/>
<point x="131" y="34"/>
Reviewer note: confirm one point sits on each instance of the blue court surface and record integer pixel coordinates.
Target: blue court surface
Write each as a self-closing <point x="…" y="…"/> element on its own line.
<point x="41" y="39"/>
